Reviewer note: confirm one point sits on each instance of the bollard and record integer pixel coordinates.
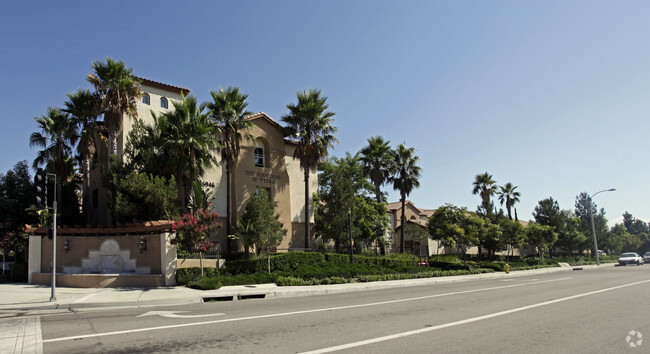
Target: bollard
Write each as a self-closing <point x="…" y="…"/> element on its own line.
<point x="507" y="268"/>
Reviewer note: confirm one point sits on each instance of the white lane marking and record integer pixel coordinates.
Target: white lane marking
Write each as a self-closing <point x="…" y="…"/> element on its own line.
<point x="465" y="321"/>
<point x="174" y="314"/>
<point x="60" y="339"/>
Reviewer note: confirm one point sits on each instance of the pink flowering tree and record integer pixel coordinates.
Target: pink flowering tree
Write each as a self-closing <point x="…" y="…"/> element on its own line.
<point x="192" y="231"/>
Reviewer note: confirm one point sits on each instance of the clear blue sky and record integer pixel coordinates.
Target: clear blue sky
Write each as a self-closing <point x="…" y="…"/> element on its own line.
<point x="552" y="96"/>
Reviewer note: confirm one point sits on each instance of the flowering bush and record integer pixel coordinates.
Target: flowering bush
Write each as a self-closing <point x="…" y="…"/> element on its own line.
<point x="193" y="228"/>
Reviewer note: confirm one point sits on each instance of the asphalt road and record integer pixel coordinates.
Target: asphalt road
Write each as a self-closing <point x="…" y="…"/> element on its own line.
<point x="575" y="312"/>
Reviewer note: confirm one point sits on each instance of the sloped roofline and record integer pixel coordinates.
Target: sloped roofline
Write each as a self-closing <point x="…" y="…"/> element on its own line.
<point x="262" y="115"/>
<point x="164" y="86"/>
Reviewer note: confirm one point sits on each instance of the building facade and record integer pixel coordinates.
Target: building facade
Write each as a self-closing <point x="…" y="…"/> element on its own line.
<point x="265" y="162"/>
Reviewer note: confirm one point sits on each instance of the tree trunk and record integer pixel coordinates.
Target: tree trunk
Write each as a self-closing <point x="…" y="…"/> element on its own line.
<point x="201" y="262"/>
<point x="229" y="246"/>
<point x="403" y="218"/>
<point x="306" y="208"/>
<point x="268" y="259"/>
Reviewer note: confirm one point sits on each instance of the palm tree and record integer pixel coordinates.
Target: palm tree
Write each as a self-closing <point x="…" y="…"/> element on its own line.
<point x="486" y="187"/>
<point x="509" y="196"/>
<point x="57" y="136"/>
<point x="186" y="140"/>
<point x="228" y="111"/>
<point x="405" y="180"/>
<point x="310" y="121"/>
<point x="84" y="109"/>
<point x="118" y="92"/>
<point x="378" y="161"/>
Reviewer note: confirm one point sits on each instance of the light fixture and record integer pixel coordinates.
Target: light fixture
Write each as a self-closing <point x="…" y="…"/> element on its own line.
<point x="66" y="246"/>
<point x="142" y="244"/>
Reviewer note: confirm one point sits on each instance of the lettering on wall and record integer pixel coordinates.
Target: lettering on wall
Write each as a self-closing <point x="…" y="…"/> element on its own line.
<point x="208" y="184"/>
<point x="262" y="177"/>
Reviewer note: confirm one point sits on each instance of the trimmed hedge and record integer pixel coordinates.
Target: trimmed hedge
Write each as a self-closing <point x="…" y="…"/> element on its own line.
<point x="429" y="274"/>
<point x="205" y="283"/>
<point x="184" y="276"/>
<point x="295" y="261"/>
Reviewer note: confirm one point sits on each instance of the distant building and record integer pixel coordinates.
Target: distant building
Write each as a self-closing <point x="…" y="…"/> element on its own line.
<point x="414" y="216"/>
<point x="265" y="162"/>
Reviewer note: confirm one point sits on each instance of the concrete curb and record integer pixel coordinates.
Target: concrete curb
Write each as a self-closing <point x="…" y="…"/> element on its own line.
<point x="85" y="300"/>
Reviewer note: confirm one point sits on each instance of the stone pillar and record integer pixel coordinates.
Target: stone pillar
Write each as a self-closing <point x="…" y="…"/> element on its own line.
<point x="34" y="263"/>
<point x="168" y="258"/>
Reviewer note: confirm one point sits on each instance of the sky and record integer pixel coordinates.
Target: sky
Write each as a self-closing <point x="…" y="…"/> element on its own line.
<point x="552" y="96"/>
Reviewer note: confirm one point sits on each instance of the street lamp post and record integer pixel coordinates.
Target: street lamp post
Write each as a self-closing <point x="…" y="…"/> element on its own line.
<point x="593" y="227"/>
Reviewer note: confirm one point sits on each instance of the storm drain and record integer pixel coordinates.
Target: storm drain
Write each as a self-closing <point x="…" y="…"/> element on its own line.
<point x="218" y="298"/>
<point x="233" y="298"/>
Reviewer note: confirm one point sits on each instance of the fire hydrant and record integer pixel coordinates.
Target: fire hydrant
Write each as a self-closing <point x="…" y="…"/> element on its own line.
<point x="507" y="268"/>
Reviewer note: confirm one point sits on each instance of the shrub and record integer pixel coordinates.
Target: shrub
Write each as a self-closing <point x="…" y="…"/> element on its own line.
<point x="186" y="275"/>
<point x="243" y="279"/>
<point x="18" y="272"/>
<point x="205" y="283"/>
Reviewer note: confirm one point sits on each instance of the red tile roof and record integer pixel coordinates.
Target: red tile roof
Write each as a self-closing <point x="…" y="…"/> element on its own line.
<point x="164" y="86"/>
<point x="143" y="228"/>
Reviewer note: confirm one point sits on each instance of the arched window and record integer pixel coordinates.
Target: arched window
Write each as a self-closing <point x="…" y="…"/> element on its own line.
<point x="259" y="154"/>
<point x="145" y="98"/>
<point x="163" y="102"/>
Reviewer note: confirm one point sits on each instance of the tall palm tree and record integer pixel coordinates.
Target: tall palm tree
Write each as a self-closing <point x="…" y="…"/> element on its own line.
<point x="186" y="139"/>
<point x="84" y="108"/>
<point x="405" y="180"/>
<point x="378" y="161"/>
<point x="509" y="196"/>
<point x="57" y="135"/>
<point x="228" y="111"/>
<point x="118" y="92"/>
<point x="310" y="121"/>
<point x="486" y="187"/>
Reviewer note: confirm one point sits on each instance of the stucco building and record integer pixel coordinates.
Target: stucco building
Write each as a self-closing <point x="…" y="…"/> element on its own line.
<point x="266" y="161"/>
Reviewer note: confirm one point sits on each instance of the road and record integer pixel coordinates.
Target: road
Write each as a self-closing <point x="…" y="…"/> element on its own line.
<point x="579" y="311"/>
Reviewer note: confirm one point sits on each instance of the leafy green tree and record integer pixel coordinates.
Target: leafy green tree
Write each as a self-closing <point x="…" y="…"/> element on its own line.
<point x="378" y="161"/>
<point x="311" y="122"/>
<point x="486" y="187"/>
<point x="16" y="195"/>
<point x="541" y="237"/>
<point x="343" y="186"/>
<point x="405" y="180"/>
<point x="547" y="212"/>
<point x="509" y="196"/>
<point x="228" y="111"/>
<point x="451" y="224"/>
<point x="142" y="197"/>
<point x="369" y="221"/>
<point x="513" y="234"/>
<point x="186" y="141"/>
<point x="569" y="235"/>
<point x="259" y="225"/>
<point x="492" y="238"/>
<point x="118" y="92"/>
<point x="84" y="108"/>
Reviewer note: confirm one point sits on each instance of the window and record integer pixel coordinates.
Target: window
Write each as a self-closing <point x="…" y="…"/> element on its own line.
<point x="145" y="98"/>
<point x="259" y="156"/>
<point x="163" y="102"/>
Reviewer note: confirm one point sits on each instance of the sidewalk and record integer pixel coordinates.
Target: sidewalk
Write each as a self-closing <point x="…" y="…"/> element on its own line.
<point x="23" y="299"/>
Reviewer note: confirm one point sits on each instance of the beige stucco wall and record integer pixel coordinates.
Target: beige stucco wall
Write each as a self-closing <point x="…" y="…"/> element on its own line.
<point x="282" y="174"/>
